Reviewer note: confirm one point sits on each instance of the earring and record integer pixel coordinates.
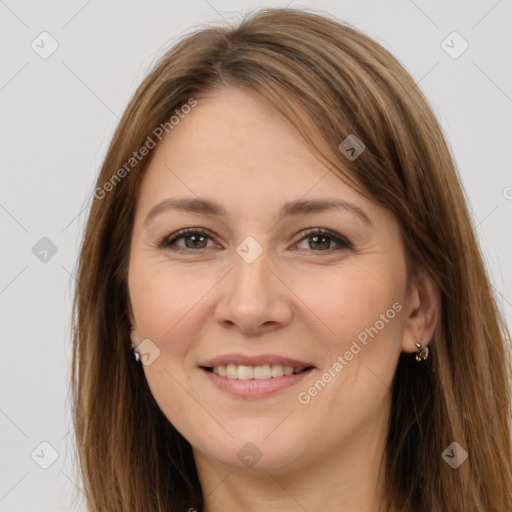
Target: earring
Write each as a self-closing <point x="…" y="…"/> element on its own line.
<point x="134" y="339"/>
<point x="422" y="353"/>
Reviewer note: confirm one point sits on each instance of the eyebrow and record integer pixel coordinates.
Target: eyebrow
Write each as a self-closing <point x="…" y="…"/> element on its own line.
<point x="293" y="208"/>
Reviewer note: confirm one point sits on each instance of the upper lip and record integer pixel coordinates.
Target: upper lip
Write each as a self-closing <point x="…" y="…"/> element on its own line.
<point x="257" y="360"/>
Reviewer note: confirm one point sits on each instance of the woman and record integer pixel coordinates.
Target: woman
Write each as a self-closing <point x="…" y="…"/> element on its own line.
<point x="280" y="301"/>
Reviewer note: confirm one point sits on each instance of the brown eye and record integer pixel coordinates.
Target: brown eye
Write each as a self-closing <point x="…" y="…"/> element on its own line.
<point x="194" y="239"/>
<point x="321" y="240"/>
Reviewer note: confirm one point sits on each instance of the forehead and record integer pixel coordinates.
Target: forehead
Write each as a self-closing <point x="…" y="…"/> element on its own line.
<point x="234" y="145"/>
<point x="235" y="130"/>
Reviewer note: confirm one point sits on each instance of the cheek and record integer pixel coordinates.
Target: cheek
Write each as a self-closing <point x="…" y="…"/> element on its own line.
<point x="365" y="312"/>
<point x="363" y="309"/>
<point x="163" y="298"/>
<point x="355" y="300"/>
<point x="170" y="388"/>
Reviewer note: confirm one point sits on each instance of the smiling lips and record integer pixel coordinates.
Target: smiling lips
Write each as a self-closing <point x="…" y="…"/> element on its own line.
<point x="253" y="377"/>
<point x="261" y="367"/>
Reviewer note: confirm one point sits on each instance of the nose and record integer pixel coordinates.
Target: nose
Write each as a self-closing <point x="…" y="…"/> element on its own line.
<point x="254" y="297"/>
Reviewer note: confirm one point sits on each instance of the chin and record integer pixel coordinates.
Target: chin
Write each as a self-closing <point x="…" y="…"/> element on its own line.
<point x="254" y="447"/>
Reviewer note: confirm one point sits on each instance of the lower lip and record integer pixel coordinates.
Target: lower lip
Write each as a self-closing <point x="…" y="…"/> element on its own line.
<point x="255" y="388"/>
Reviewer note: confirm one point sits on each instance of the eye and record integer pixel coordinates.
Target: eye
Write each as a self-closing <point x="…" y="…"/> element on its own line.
<point x="321" y="239"/>
<point x="195" y="238"/>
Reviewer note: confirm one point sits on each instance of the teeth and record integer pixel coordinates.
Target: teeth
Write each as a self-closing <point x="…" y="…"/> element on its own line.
<point x="245" y="372"/>
<point x="277" y="370"/>
<point x="262" y="372"/>
<point x="266" y="371"/>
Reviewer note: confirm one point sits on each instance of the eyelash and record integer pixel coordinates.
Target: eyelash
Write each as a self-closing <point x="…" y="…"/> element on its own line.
<point x="167" y="241"/>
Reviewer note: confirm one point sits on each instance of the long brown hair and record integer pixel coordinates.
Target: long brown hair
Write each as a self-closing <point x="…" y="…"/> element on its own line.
<point x="329" y="81"/>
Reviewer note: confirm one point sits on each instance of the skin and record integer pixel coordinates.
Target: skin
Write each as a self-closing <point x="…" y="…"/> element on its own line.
<point x="300" y="298"/>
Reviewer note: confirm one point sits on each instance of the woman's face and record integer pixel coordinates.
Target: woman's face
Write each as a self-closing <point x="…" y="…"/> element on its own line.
<point x="226" y="312"/>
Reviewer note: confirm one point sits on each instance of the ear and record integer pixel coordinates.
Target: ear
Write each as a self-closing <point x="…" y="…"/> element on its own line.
<point x="423" y="307"/>
<point x="133" y="331"/>
<point x="129" y="309"/>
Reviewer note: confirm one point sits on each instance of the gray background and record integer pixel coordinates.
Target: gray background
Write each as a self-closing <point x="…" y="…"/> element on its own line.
<point x="59" y="113"/>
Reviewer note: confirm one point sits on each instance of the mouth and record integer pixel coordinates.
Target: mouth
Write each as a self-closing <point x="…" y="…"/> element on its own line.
<point x="260" y="372"/>
<point x="254" y="376"/>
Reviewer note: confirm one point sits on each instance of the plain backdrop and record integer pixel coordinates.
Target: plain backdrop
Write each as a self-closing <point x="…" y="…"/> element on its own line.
<point x="59" y="112"/>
